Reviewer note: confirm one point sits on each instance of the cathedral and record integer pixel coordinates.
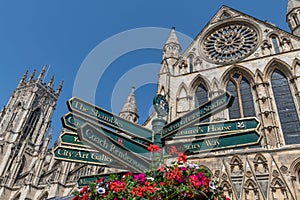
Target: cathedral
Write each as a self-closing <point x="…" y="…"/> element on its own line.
<point x="257" y="62"/>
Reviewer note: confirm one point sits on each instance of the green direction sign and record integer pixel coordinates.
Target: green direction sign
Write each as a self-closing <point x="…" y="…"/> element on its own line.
<point x="97" y="139"/>
<point x="220" y="127"/>
<point x="218" y="142"/>
<point x="73" y="122"/>
<point x="85" y="156"/>
<point x="204" y="111"/>
<point x="104" y="117"/>
<point x="72" y="139"/>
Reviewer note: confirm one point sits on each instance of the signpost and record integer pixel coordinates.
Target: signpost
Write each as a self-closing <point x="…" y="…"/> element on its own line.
<point x="217" y="128"/>
<point x="74" y="122"/>
<point x="204" y="111"/>
<point x="104" y="117"/>
<point x="97" y="139"/>
<point x="229" y="140"/>
<point x="85" y="156"/>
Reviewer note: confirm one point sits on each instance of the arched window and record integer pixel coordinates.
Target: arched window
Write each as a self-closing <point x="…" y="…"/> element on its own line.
<point x="31" y="123"/>
<point x="243" y="105"/>
<point x="299" y="175"/>
<point x="191" y="60"/>
<point x="201" y="97"/>
<point x="286" y="108"/>
<point x="275" y="44"/>
<point x="295" y="18"/>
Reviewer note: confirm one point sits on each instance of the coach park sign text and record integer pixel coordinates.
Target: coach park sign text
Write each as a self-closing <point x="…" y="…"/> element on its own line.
<point x="95" y="136"/>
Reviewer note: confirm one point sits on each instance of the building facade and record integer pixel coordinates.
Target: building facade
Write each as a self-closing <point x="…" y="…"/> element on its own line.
<point x="258" y="63"/>
<point x="254" y="60"/>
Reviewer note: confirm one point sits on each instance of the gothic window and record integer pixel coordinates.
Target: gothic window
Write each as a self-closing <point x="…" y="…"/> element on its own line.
<point x="286" y="108"/>
<point x="31" y="123"/>
<point x="295" y="18"/>
<point x="191" y="60"/>
<point x="201" y="96"/>
<point x="13" y="117"/>
<point x="275" y="44"/>
<point x="243" y="105"/>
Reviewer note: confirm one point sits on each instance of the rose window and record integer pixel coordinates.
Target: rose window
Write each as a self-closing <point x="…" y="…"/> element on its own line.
<point x="230" y="43"/>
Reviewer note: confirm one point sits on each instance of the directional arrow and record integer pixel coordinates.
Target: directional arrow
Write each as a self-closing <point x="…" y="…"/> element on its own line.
<point x="220" y="127"/>
<point x="73" y="122"/>
<point x="202" y="112"/>
<point x="97" y="139"/>
<point x="216" y="142"/>
<point x="85" y="156"/>
<point x="104" y="117"/>
<point x="71" y="139"/>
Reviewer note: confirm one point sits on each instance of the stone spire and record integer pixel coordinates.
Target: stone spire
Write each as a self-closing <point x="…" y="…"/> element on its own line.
<point x="172" y="48"/>
<point x="50" y="84"/>
<point x="293" y="17"/>
<point x="22" y="81"/>
<point x="129" y="110"/>
<point x="59" y="88"/>
<point x="292" y="4"/>
<point x="32" y="75"/>
<point x="173" y="37"/>
<point x="42" y="74"/>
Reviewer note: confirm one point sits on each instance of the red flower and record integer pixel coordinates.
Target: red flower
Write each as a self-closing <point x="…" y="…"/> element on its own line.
<point x="76" y="198"/>
<point x="86" y="196"/>
<point x="127" y="174"/>
<point x="154" y="148"/>
<point x="173" y="150"/>
<point x="84" y="189"/>
<point x="100" y="180"/>
<point x="117" y="186"/>
<point x="181" y="157"/>
<point x="138" y="191"/>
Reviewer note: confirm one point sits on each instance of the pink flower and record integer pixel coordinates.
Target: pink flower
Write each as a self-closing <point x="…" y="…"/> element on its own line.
<point x="141" y="178"/>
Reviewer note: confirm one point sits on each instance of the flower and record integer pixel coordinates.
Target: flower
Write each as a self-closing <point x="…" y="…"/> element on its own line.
<point x="117" y="186"/>
<point x="173" y="150"/>
<point x="212" y="185"/>
<point x="154" y="148"/>
<point x="86" y="196"/>
<point x="84" y="189"/>
<point x="101" y="190"/>
<point x="181" y="157"/>
<point x="141" y="178"/>
<point x="175" y="181"/>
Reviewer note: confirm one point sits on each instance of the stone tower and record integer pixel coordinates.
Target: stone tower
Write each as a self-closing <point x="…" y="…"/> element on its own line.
<point x="293" y="16"/>
<point x="129" y="110"/>
<point x="24" y="124"/>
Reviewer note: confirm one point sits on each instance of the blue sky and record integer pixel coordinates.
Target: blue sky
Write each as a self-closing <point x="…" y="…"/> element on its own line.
<point x="62" y="34"/>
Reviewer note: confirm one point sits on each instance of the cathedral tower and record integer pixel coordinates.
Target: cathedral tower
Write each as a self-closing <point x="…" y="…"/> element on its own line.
<point x="24" y="123"/>
<point x="293" y="16"/>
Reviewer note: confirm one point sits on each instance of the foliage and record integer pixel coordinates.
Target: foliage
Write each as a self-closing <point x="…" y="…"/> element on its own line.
<point x="180" y="180"/>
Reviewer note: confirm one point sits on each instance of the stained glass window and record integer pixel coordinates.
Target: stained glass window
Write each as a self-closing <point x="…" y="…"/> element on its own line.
<point x="286" y="108"/>
<point x="243" y="105"/>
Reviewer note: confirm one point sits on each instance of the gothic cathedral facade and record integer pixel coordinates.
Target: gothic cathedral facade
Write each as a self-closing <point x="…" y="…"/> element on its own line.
<point x="254" y="60"/>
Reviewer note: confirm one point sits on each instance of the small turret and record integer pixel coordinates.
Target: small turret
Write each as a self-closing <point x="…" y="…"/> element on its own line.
<point x="42" y="74"/>
<point x="59" y="88"/>
<point x="172" y="48"/>
<point x="32" y="75"/>
<point x="22" y="81"/>
<point x="293" y="17"/>
<point x="50" y="84"/>
<point x="129" y="110"/>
